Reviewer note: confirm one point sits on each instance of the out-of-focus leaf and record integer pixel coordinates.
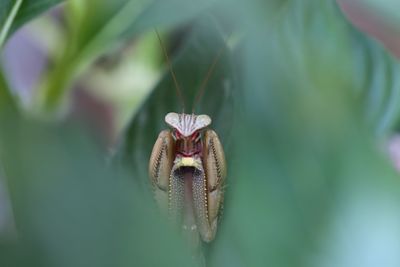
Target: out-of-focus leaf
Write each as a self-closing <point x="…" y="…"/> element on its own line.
<point x="303" y="144"/>
<point x="110" y="21"/>
<point x="14" y="13"/>
<point x="9" y="10"/>
<point x="72" y="209"/>
<point x="378" y="84"/>
<point x="7" y="104"/>
<point x="30" y="9"/>
<point x="198" y="51"/>
<point x="159" y="13"/>
<point x="388" y="10"/>
<point x="321" y="44"/>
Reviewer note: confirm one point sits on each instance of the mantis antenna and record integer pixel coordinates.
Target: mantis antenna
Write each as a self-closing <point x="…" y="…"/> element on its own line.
<point x="177" y="87"/>
<point x="210" y="71"/>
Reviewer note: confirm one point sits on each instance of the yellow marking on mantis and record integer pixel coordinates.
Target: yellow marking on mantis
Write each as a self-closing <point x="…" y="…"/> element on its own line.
<point x="188" y="161"/>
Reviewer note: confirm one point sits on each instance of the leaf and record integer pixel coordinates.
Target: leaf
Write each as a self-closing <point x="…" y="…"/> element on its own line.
<point x="31" y="9"/>
<point x="14" y="13"/>
<point x="72" y="209"/>
<point x="8" y="107"/>
<point x="305" y="152"/>
<point x="7" y="20"/>
<point x="368" y="72"/>
<point x="160" y="13"/>
<point x="111" y="24"/>
<point x="378" y="83"/>
<point x="387" y="10"/>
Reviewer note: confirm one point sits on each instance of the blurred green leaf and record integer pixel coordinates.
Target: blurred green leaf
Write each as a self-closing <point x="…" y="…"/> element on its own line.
<point x="6" y="100"/>
<point x="72" y="209"/>
<point x="14" y="13"/>
<point x="9" y="11"/>
<point x="30" y="9"/>
<point x="109" y="22"/>
<point x="388" y="10"/>
<point x="160" y="13"/>
<point x="324" y="49"/>
<point x="304" y="144"/>
<point x="378" y="84"/>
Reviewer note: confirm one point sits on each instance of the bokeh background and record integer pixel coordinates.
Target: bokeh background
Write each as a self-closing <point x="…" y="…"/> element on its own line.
<point x="305" y="99"/>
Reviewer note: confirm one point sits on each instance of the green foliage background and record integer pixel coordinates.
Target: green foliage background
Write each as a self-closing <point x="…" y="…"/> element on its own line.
<point x="302" y="103"/>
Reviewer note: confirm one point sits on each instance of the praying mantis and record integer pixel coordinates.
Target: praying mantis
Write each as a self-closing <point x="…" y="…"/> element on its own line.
<point x="187" y="167"/>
